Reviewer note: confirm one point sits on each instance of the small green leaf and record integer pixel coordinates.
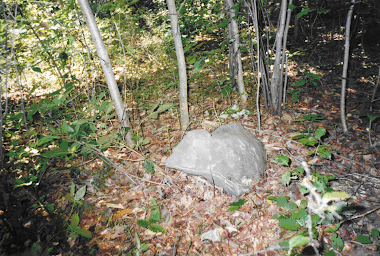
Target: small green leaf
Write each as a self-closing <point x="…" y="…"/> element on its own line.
<point x="46" y="139"/>
<point x="284" y="160"/>
<point x="57" y="152"/>
<point x="74" y="220"/>
<point x="72" y="189"/>
<point x="289" y="224"/>
<point x="300" y="83"/>
<point x="333" y="228"/>
<point x="50" y="207"/>
<point x="84" y="232"/>
<point x="363" y="239"/>
<point x="149" y="166"/>
<point x="298" y="241"/>
<point x="337" y="242"/>
<point x="282" y="201"/>
<point x="36" y="69"/>
<point x="80" y="193"/>
<point x="309" y="141"/>
<point x="143" y="223"/>
<point x="155" y="216"/>
<point x="156" y="228"/>
<point x="324" y="153"/>
<point x="304" y="12"/>
<point x="69" y="198"/>
<point x="375" y="233"/>
<point x="320" y="132"/>
<point x="236" y="205"/>
<point x="372" y="118"/>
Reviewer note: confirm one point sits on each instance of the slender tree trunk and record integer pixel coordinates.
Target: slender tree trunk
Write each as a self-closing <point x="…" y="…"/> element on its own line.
<point x="184" y="112"/>
<point x="106" y="66"/>
<point x="238" y="67"/>
<point x="276" y="82"/>
<point x="345" y="67"/>
<point x="231" y="55"/>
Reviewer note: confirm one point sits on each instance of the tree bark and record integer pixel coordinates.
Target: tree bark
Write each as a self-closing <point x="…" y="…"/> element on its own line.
<point x="234" y="36"/>
<point x="106" y="66"/>
<point x="345" y="67"/>
<point x="276" y="82"/>
<point x="184" y="112"/>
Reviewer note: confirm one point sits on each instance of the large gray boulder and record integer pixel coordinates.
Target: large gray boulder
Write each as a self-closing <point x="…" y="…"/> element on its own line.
<point x="228" y="157"/>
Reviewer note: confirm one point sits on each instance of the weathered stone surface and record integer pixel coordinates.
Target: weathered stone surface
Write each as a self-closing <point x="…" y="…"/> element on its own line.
<point x="227" y="157"/>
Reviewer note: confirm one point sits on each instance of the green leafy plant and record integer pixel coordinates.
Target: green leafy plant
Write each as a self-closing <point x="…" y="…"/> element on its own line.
<point x="323" y="206"/>
<point x="236" y="205"/>
<point x="155" y="216"/>
<point x="312" y="138"/>
<point x="75" y="197"/>
<point x="149" y="166"/>
<point x="309" y="79"/>
<point x="140" y="247"/>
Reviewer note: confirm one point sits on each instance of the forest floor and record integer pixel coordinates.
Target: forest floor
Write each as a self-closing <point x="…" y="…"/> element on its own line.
<point x="189" y="208"/>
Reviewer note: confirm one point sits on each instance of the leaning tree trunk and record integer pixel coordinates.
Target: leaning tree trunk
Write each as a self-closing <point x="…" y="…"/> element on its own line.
<point x="345" y="67"/>
<point x="234" y="37"/>
<point x="184" y="112"/>
<point x="106" y="66"/>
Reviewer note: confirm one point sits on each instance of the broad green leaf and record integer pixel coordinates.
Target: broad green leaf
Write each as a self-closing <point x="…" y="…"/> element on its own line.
<point x="57" y="152"/>
<point x="282" y="201"/>
<point x="47" y="138"/>
<point x="304" y="12"/>
<point x="300" y="83"/>
<point x="225" y="22"/>
<point x="164" y="107"/>
<point x="80" y="193"/>
<point x="199" y="64"/>
<point x="84" y="232"/>
<point x="372" y="118"/>
<point x="74" y="220"/>
<point x="144" y="247"/>
<point x="36" y="69"/>
<point x="310" y="141"/>
<point x="324" y="153"/>
<point x="299" y="241"/>
<point x="333" y="228"/>
<point x="289" y="224"/>
<point x="299" y="170"/>
<point x="320" y="132"/>
<point x="300" y="136"/>
<point x="284" y="160"/>
<point x="337" y="242"/>
<point x="156" y="228"/>
<point x="65" y="145"/>
<point x="236" y="205"/>
<point x="363" y="239"/>
<point x="375" y="233"/>
<point x="155" y="216"/>
<point x="143" y="223"/>
<point x="103" y="106"/>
